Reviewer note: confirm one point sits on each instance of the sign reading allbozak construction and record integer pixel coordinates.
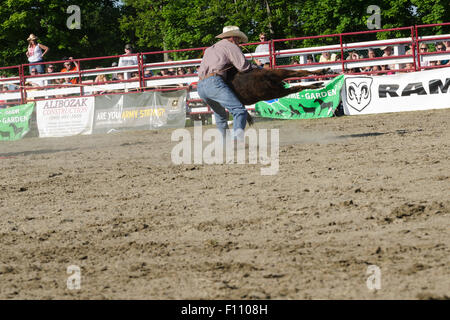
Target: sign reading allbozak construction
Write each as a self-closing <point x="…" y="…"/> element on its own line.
<point x="65" y="117"/>
<point x="412" y="91"/>
<point x="15" y="121"/>
<point x="306" y="104"/>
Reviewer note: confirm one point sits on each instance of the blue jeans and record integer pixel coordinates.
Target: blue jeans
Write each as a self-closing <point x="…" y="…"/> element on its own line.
<point x="39" y="67"/>
<point x="216" y="93"/>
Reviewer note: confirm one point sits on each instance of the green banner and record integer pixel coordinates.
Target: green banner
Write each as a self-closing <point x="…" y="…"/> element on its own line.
<point x="15" y="121"/>
<point x="306" y="104"/>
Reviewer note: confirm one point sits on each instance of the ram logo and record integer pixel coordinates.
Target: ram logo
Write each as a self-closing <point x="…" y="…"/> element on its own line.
<point x="358" y="92"/>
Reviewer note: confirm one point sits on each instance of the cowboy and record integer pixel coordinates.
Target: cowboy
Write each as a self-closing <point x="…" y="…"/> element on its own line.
<point x="212" y="86"/>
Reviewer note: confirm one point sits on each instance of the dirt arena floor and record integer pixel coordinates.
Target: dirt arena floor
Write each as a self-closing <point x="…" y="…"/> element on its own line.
<point x="350" y="192"/>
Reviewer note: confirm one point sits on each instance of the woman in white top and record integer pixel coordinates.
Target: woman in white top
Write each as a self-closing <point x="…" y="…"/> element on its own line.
<point x="35" y="53"/>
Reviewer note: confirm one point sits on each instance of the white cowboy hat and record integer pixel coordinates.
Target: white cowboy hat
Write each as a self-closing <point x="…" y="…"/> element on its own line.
<point x="233" y="31"/>
<point x="385" y="47"/>
<point x="32" y="37"/>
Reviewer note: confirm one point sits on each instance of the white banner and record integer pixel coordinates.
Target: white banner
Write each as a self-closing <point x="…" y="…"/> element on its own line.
<point x="412" y="91"/>
<point x="65" y="117"/>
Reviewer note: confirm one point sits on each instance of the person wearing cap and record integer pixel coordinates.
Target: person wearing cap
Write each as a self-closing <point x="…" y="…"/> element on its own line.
<point x="128" y="59"/>
<point x="35" y="53"/>
<point x="69" y="67"/>
<point x="212" y="87"/>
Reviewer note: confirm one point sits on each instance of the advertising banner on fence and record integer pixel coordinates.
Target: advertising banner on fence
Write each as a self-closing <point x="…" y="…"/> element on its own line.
<point x="147" y="110"/>
<point x="15" y="121"/>
<point x="65" y="117"/>
<point x="306" y="104"/>
<point x="412" y="91"/>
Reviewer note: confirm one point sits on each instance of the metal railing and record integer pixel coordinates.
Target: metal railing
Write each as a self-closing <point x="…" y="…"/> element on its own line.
<point x="136" y="78"/>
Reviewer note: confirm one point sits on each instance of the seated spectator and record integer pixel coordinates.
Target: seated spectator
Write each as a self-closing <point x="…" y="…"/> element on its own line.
<point x="69" y="66"/>
<point x="325" y="57"/>
<point x="148" y="73"/>
<point x="50" y="69"/>
<point x="128" y="59"/>
<point x="386" y="70"/>
<point x="375" y="70"/>
<point x="309" y="59"/>
<point x="181" y="72"/>
<point x="423" y="48"/>
<point x="100" y="78"/>
<point x="114" y="75"/>
<point x="370" y="54"/>
<point x="409" y="67"/>
<point x="35" y="82"/>
<point x="439" y="48"/>
<point x="447" y="47"/>
<point x="191" y="70"/>
<point x="171" y="71"/>
<point x="164" y="73"/>
<point x="353" y="56"/>
<point x="3" y="104"/>
<point x="387" y="53"/>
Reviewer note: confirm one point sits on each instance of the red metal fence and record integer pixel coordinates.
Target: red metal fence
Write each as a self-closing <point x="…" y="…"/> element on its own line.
<point x="282" y="53"/>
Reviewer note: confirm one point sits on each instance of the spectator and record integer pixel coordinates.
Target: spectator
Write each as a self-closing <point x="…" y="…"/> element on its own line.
<point x="35" y="82"/>
<point x="409" y="67"/>
<point x="447" y="47"/>
<point x="353" y="56"/>
<point x="3" y="104"/>
<point x="114" y="75"/>
<point x="386" y="70"/>
<point x="35" y="53"/>
<point x="325" y="57"/>
<point x="388" y="53"/>
<point x="371" y="55"/>
<point x="309" y="59"/>
<point x="441" y="47"/>
<point x="100" y="78"/>
<point x="171" y="71"/>
<point x="128" y="59"/>
<point x="423" y="48"/>
<point x="375" y="70"/>
<point x="191" y="70"/>
<point x="50" y="69"/>
<point x="69" y="66"/>
<point x="181" y="72"/>
<point x="263" y="48"/>
<point x="148" y="73"/>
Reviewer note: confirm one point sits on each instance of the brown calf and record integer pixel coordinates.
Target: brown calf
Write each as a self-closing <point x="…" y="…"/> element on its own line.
<point x="267" y="84"/>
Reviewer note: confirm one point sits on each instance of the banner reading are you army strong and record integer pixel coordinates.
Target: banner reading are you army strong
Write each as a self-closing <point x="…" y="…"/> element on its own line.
<point x="147" y="110"/>
<point x="15" y="121"/>
<point x="306" y="104"/>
